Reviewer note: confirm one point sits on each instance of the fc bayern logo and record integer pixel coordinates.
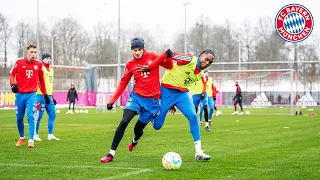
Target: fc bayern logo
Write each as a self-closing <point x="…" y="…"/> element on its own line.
<point x="294" y="23"/>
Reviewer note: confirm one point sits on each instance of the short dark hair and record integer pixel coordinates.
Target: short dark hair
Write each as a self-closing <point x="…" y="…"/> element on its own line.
<point x="207" y="51"/>
<point x="31" y="46"/>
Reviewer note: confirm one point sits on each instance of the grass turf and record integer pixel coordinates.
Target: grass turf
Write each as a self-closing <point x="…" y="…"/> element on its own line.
<point x="243" y="147"/>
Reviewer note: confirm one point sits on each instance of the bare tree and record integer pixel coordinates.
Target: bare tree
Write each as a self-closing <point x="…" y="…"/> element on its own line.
<point x="70" y="41"/>
<point x="247" y="40"/>
<point x="5" y="33"/>
<point x="25" y="36"/>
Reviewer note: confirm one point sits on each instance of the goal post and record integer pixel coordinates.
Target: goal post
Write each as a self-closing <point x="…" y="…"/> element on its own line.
<point x="264" y="91"/>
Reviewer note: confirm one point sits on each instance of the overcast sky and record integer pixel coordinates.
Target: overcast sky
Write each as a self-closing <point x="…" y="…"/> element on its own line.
<point x="163" y="17"/>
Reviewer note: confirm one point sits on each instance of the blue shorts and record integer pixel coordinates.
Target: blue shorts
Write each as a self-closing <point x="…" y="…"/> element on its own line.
<point x="147" y="108"/>
<point x="196" y="98"/>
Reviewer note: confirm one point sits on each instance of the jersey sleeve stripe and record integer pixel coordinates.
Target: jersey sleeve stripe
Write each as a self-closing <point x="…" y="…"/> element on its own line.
<point x="180" y="57"/>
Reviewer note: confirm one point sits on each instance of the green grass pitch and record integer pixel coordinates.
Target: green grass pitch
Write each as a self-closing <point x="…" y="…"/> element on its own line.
<point x="242" y="147"/>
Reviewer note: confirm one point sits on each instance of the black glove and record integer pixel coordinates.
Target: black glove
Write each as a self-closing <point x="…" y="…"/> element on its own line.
<point x="109" y="106"/>
<point x="14" y="88"/>
<point x="214" y="98"/>
<point x="169" y="53"/>
<point x="54" y="102"/>
<point x="46" y="97"/>
<point x="202" y="96"/>
<point x="234" y="98"/>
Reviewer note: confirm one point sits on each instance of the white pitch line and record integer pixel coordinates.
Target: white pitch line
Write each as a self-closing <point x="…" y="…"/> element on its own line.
<point x="126" y="174"/>
<point x="79" y="167"/>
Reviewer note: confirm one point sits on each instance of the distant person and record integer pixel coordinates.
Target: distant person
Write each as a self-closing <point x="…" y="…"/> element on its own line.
<point x="237" y="100"/>
<point x="72" y="96"/>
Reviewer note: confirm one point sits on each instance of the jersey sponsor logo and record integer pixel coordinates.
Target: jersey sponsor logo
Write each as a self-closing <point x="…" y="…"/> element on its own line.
<point x="29" y="73"/>
<point x="145" y="74"/>
<point x="294" y="23"/>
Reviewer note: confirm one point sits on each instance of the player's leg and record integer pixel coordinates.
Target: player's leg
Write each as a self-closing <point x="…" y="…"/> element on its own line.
<point x="51" y="111"/>
<point x="131" y="109"/>
<point x="40" y="99"/>
<point x="73" y="103"/>
<point x="235" y="107"/>
<point x="168" y="99"/>
<point x="185" y="105"/>
<point x="149" y="109"/>
<point x="21" y="106"/>
<point x="211" y="105"/>
<point x="196" y="101"/>
<point x="200" y="114"/>
<point x="126" y="118"/>
<point x="69" y="104"/>
<point x="204" y="103"/>
<point x="240" y="104"/>
<point x="31" y="113"/>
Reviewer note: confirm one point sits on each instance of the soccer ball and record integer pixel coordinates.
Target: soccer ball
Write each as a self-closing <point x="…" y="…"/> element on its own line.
<point x="81" y="111"/>
<point x="247" y="112"/>
<point x="76" y="111"/>
<point x="171" y="161"/>
<point x="85" y="111"/>
<point x="58" y="111"/>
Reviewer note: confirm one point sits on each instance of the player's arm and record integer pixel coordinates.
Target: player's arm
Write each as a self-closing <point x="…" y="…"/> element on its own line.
<point x="166" y="63"/>
<point x="12" y="78"/>
<point x="204" y="82"/>
<point x="76" y="94"/>
<point x="42" y="84"/>
<point x="122" y="86"/>
<point x="181" y="59"/>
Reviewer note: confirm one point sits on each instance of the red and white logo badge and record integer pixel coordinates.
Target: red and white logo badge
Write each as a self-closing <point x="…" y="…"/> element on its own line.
<point x="294" y="23"/>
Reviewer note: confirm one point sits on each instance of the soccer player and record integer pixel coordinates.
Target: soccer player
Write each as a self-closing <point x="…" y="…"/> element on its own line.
<point x="211" y="92"/>
<point x="24" y="78"/>
<point x="144" y="100"/>
<point x="175" y="85"/>
<point x="237" y="100"/>
<point x="199" y="96"/>
<point x="72" y="97"/>
<point x="50" y="108"/>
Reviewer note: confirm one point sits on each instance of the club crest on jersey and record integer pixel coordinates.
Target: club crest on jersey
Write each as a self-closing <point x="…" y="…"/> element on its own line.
<point x="149" y="61"/>
<point x="35" y="67"/>
<point x="294" y="23"/>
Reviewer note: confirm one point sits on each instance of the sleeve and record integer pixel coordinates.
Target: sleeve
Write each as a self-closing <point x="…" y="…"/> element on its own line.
<point x="13" y="73"/>
<point x="181" y="59"/>
<point x="214" y="91"/>
<point x="167" y="63"/>
<point x="42" y="84"/>
<point x="122" y="85"/>
<point x="204" y="82"/>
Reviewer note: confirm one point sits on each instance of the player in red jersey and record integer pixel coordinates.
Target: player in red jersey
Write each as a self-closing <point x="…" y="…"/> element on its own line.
<point x="25" y="76"/>
<point x="237" y="100"/>
<point x="144" y="100"/>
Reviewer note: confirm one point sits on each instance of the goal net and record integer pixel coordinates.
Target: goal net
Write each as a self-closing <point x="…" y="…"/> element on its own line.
<point x="264" y="92"/>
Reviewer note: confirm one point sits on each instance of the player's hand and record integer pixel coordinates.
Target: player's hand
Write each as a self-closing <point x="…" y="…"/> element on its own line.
<point x="202" y="96"/>
<point x="109" y="106"/>
<point x="169" y="53"/>
<point x="144" y="68"/>
<point x="14" y="88"/>
<point x="46" y="98"/>
<point x="173" y="110"/>
<point x="214" y="98"/>
<point x="54" y="102"/>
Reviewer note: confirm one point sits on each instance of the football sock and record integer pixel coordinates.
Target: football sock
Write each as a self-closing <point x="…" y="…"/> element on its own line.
<point x="205" y="109"/>
<point x="197" y="145"/>
<point x="112" y="152"/>
<point x="138" y="131"/>
<point x="207" y="124"/>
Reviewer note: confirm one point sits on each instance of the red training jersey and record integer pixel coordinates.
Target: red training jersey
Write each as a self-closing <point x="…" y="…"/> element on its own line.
<point x="214" y="91"/>
<point x="27" y="74"/>
<point x="146" y="84"/>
